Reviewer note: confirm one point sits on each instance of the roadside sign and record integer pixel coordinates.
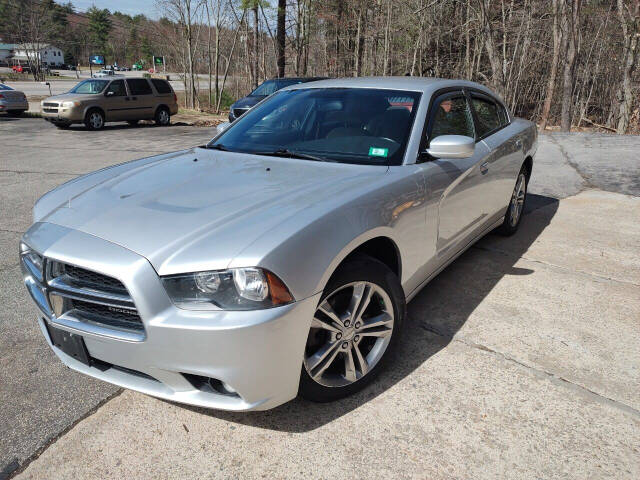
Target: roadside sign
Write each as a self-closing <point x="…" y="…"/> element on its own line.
<point x="96" y="59"/>
<point x="158" y="60"/>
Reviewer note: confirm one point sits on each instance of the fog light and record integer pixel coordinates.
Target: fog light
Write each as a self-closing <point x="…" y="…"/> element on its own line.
<point x="57" y="304"/>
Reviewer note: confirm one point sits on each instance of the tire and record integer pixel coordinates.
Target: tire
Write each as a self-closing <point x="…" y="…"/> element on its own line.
<point x="133" y="123"/>
<point x="94" y="119"/>
<point x="15" y="113"/>
<point x="325" y="379"/>
<point x="163" y="117"/>
<point x="513" y="216"/>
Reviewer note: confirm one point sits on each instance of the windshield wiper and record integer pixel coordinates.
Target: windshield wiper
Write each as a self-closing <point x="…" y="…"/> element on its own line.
<point x="217" y="146"/>
<point x="283" y="152"/>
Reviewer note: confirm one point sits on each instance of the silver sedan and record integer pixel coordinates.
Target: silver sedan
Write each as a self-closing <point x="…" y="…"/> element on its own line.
<point x="12" y="101"/>
<point x="277" y="259"/>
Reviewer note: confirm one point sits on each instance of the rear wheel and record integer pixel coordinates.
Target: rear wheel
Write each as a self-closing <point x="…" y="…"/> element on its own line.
<point x="94" y="120"/>
<point x="163" y="117"/>
<point x="354" y="331"/>
<point x="516" y="206"/>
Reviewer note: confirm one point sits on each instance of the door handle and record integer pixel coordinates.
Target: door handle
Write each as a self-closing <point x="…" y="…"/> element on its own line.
<point x="126" y="99"/>
<point x="484" y="168"/>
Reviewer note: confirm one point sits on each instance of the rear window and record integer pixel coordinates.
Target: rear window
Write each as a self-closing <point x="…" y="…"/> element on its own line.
<point x="162" y="86"/>
<point x="139" y="86"/>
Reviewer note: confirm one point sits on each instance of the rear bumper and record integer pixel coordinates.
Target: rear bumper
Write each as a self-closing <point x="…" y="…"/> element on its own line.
<point x="257" y="353"/>
<point x="10" y="106"/>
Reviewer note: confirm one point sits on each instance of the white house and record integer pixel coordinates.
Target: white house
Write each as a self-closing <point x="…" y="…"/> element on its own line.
<point x="6" y="51"/>
<point x="46" y="54"/>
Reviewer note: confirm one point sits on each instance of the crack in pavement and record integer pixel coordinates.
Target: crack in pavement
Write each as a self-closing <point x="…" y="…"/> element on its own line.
<point x="543" y="374"/>
<point x="572" y="164"/>
<point x="14" y="468"/>
<point x="553" y="265"/>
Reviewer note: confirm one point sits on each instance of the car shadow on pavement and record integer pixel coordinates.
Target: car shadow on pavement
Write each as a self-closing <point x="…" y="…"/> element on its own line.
<point x="434" y="317"/>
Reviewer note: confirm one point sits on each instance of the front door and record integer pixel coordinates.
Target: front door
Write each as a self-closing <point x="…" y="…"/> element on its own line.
<point x="460" y="182"/>
<point x="116" y="101"/>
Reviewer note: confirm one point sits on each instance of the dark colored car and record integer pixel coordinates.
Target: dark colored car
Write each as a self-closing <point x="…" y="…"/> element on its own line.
<point x="266" y="88"/>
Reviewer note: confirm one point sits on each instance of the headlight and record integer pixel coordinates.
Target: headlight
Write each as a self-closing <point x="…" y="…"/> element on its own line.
<point x="32" y="260"/>
<point x="233" y="289"/>
<point x="70" y="104"/>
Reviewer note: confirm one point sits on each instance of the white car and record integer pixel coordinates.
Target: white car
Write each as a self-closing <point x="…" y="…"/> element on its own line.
<point x="105" y="73"/>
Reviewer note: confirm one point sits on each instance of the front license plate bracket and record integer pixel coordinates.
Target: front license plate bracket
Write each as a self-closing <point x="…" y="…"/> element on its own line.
<point x="70" y="343"/>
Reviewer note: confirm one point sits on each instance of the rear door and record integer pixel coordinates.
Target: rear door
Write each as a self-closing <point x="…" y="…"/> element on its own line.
<point x="460" y="182"/>
<point x="505" y="157"/>
<point x="141" y="98"/>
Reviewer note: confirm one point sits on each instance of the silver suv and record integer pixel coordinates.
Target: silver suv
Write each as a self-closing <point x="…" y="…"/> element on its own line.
<point x="96" y="101"/>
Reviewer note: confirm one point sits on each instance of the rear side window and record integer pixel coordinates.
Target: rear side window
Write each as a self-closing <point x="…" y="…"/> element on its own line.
<point x="491" y="116"/>
<point x="162" y="86"/>
<point x="139" y="86"/>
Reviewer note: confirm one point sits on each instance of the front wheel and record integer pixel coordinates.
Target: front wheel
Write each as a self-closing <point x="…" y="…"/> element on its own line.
<point x="94" y="120"/>
<point x="354" y="330"/>
<point x="516" y="206"/>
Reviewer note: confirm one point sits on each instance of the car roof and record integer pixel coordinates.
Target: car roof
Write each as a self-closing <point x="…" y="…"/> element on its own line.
<point x="415" y="84"/>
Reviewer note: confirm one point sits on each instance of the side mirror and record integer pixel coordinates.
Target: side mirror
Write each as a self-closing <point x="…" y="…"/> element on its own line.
<point x="221" y="127"/>
<point x="451" y="146"/>
<point x="110" y="94"/>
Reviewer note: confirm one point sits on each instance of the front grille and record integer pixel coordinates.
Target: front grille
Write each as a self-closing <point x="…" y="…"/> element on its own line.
<point x="238" y="112"/>
<point x="92" y="279"/>
<point x="108" y="315"/>
<point x="92" y="297"/>
<point x="49" y="104"/>
<point x="50" y="110"/>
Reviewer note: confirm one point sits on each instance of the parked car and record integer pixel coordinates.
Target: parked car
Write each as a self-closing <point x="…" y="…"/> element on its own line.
<point x="12" y="102"/>
<point x="21" y="68"/>
<point x="96" y="101"/>
<point x="104" y="73"/>
<point x="278" y="258"/>
<point x="266" y="88"/>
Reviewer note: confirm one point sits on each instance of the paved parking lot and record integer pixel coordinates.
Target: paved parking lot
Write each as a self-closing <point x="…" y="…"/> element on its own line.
<point x="521" y="360"/>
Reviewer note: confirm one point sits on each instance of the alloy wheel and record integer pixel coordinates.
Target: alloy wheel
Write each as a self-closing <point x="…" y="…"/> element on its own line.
<point x="163" y="117"/>
<point x="96" y="121"/>
<point x="349" y="334"/>
<point x="517" y="200"/>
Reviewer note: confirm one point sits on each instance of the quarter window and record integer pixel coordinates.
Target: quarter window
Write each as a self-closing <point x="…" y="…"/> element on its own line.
<point x="139" y="86"/>
<point x="452" y="117"/>
<point x="491" y="116"/>
<point x="161" y="86"/>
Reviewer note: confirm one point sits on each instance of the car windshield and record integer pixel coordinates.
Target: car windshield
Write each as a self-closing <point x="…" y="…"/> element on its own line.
<point x="90" y="86"/>
<point x="5" y="87"/>
<point x="267" y="88"/>
<point x="347" y="125"/>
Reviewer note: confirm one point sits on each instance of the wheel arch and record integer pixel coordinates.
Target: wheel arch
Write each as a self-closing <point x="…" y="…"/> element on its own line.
<point x="528" y="164"/>
<point x="94" y="107"/>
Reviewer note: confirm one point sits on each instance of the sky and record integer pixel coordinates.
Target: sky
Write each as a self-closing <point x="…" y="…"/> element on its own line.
<point x="130" y="7"/>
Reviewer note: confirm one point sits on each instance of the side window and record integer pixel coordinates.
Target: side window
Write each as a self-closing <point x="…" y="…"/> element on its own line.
<point x="117" y="89"/>
<point x="452" y="117"/>
<point x="491" y="116"/>
<point x="139" y="86"/>
<point x="162" y="86"/>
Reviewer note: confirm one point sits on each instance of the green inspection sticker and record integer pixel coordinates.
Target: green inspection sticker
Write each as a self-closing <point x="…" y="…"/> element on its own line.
<point x="378" y="152"/>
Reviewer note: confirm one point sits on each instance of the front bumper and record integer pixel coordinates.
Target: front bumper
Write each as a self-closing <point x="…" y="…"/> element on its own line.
<point x="258" y="353"/>
<point x="62" y="115"/>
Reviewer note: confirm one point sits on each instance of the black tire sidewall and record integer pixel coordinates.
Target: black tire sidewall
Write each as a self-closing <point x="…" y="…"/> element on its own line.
<point x="87" y="122"/>
<point x="157" y="118"/>
<point x="506" y="228"/>
<point x="361" y="268"/>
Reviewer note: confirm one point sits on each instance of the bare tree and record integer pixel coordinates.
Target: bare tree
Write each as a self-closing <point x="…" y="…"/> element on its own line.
<point x="281" y="36"/>
<point x="571" y="34"/>
<point x="629" y="16"/>
<point x="556" y="7"/>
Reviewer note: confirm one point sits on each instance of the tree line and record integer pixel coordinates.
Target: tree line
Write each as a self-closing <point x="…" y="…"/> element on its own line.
<point x="565" y="63"/>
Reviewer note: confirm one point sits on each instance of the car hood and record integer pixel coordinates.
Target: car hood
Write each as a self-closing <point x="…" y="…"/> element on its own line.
<point x="248" y="102"/>
<point x="70" y="96"/>
<point x="197" y="209"/>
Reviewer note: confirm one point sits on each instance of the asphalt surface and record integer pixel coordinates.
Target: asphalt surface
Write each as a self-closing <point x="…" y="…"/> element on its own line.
<point x="519" y="361"/>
